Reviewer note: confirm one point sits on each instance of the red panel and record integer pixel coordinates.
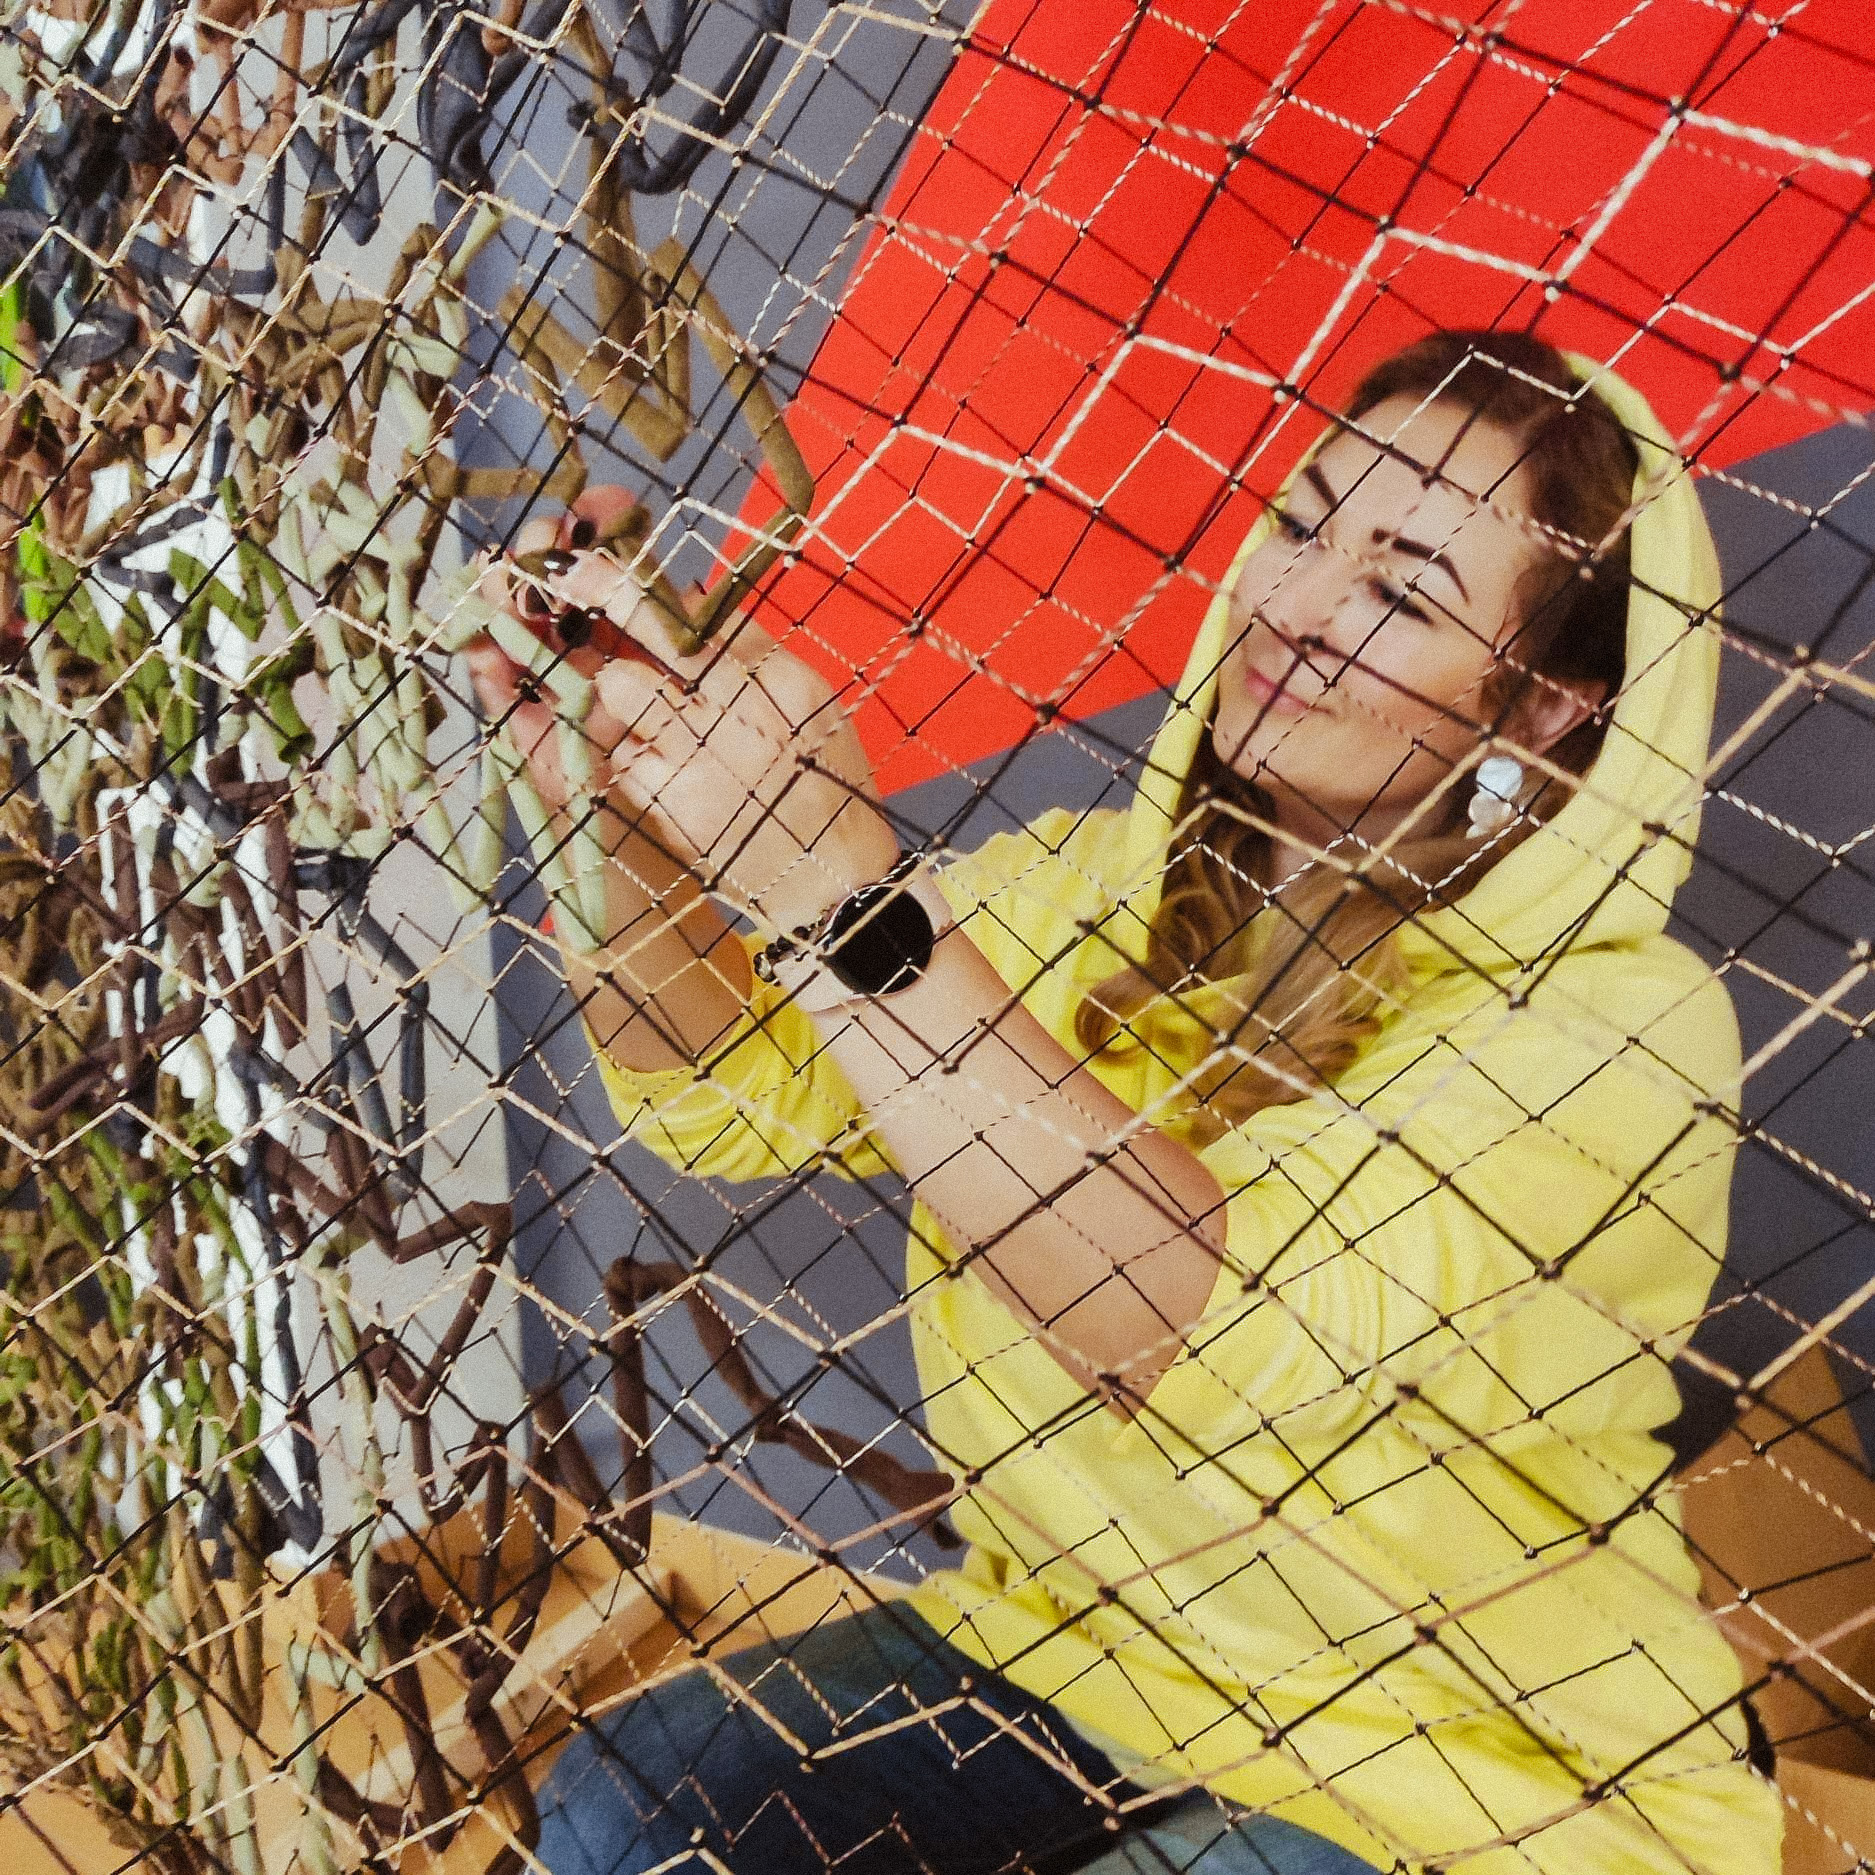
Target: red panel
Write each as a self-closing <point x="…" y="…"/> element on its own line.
<point x="1042" y="416"/>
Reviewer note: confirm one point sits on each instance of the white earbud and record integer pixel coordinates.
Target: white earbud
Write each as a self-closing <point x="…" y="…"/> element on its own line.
<point x="1494" y="805"/>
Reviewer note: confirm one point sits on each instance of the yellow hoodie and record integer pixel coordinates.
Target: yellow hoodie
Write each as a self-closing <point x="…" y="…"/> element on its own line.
<point x="1381" y="1553"/>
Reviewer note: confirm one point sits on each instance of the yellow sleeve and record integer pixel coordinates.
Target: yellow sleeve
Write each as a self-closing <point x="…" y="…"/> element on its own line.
<point x="1502" y="1224"/>
<point x="768" y="1102"/>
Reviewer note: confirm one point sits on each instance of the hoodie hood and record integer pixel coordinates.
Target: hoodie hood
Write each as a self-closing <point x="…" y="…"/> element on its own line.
<point x="1604" y="870"/>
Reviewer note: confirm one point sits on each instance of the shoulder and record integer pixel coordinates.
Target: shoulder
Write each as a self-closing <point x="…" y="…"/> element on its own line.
<point x="1654" y="1005"/>
<point x="1654" y="995"/>
<point x="1649" y="976"/>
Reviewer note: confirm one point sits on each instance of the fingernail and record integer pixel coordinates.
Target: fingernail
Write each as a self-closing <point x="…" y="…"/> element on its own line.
<point x="533" y="602"/>
<point x="574" y="626"/>
<point x="558" y="562"/>
<point x="583" y="533"/>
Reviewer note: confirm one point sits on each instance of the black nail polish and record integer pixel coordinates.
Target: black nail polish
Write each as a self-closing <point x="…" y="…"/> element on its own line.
<point x="574" y="626"/>
<point x="583" y="533"/>
<point x="556" y="561"/>
<point x="533" y="602"/>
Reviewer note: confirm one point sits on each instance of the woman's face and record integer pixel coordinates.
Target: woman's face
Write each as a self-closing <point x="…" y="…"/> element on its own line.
<point x="1366" y="626"/>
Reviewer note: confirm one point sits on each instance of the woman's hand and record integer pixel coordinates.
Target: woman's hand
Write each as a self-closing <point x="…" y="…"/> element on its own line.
<point x="738" y="758"/>
<point x="740" y="754"/>
<point x="670" y="978"/>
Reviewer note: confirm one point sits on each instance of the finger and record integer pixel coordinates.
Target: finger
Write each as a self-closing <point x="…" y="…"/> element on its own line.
<point x="636" y="705"/>
<point x="642" y="776"/>
<point x="602" y="727"/>
<point x="494" y="676"/>
<point x="625" y="691"/>
<point x="534" y="536"/>
<point x="491" y="583"/>
<point x="600" y="514"/>
<point x="606" y="584"/>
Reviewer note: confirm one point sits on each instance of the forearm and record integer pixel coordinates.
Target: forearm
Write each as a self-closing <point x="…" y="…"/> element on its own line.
<point x="672" y="979"/>
<point x="1100" y="1230"/>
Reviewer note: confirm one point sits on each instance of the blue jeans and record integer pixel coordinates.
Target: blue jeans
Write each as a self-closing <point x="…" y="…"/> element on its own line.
<point x="872" y="1747"/>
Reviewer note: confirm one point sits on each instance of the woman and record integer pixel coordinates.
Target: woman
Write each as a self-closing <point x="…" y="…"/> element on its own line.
<point x="1316" y="1165"/>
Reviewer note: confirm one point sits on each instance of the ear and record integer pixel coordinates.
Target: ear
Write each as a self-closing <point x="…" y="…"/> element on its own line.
<point x="1550" y="707"/>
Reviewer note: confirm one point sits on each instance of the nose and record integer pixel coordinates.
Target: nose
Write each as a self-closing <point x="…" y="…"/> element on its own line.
<point x="1295" y="597"/>
<point x="1307" y="595"/>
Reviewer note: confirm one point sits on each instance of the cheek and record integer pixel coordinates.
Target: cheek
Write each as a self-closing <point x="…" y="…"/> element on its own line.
<point x="1423" y="682"/>
<point x="1268" y="583"/>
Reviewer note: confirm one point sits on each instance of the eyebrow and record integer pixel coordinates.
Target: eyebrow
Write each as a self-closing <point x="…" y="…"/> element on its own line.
<point x="1418" y="548"/>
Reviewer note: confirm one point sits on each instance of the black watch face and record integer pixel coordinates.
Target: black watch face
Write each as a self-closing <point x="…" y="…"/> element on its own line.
<point x="879" y="941"/>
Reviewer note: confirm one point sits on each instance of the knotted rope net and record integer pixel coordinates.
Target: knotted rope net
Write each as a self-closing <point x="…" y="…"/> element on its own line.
<point x="374" y="1412"/>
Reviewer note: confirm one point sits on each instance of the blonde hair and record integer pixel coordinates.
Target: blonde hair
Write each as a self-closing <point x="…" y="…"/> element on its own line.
<point x="1263" y="991"/>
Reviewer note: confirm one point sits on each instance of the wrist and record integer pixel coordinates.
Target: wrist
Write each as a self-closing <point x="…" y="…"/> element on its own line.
<point x="876" y="941"/>
<point x="860" y="864"/>
<point x="849" y="856"/>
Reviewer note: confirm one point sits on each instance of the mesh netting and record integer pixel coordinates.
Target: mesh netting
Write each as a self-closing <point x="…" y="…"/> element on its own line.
<point x="1294" y="1297"/>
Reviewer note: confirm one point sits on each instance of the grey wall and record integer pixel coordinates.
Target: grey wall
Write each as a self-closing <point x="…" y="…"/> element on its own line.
<point x="1782" y="892"/>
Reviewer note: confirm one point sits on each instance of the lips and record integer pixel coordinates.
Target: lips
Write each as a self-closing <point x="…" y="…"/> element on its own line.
<point x="1270" y="696"/>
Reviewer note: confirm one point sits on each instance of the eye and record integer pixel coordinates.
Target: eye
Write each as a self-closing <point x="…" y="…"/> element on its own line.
<point x="1397" y="599"/>
<point x="1297" y="530"/>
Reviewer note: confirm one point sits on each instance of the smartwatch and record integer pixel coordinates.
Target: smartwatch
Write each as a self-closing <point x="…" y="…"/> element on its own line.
<point x="878" y="939"/>
<point x="874" y="942"/>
